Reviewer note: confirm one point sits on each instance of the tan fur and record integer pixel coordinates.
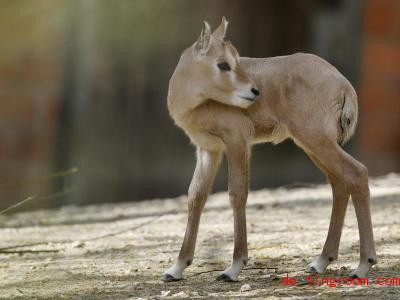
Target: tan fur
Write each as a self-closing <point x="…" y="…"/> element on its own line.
<point x="302" y="97"/>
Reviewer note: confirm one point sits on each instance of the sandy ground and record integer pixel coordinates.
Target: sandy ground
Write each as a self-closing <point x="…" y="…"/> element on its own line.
<point x="121" y="250"/>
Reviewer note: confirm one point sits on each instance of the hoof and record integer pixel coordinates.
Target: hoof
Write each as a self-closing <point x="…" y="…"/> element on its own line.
<point x="353" y="276"/>
<point x="169" y="278"/>
<point x="224" y="277"/>
<point x="311" y="270"/>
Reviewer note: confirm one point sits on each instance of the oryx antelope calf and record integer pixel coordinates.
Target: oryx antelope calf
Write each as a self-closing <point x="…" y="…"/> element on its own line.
<point x="226" y="103"/>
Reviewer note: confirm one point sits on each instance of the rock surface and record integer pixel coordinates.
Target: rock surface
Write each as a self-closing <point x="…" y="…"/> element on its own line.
<point x="121" y="250"/>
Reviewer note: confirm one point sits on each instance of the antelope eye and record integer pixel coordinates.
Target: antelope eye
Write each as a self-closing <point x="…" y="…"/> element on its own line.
<point x="224" y="66"/>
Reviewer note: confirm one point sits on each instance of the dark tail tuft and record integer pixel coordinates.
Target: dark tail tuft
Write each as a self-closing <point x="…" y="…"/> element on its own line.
<point x="348" y="116"/>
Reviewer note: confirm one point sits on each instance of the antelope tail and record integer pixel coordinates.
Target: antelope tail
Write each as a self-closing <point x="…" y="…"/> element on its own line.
<point x="348" y="116"/>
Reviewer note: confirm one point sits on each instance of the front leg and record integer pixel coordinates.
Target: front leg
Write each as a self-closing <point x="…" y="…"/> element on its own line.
<point x="238" y="155"/>
<point x="203" y="178"/>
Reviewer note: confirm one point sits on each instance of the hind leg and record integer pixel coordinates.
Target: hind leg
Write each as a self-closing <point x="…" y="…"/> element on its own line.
<point x="340" y="201"/>
<point x="354" y="178"/>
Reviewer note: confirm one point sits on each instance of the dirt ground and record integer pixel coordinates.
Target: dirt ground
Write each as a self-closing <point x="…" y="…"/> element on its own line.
<point x="121" y="250"/>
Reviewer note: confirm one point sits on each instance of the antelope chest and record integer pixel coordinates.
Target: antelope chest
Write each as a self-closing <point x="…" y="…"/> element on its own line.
<point x="205" y="140"/>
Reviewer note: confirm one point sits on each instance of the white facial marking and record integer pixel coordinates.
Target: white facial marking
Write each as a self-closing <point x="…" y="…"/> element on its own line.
<point x="230" y="59"/>
<point x="240" y="102"/>
<point x="232" y="77"/>
<point x="243" y="91"/>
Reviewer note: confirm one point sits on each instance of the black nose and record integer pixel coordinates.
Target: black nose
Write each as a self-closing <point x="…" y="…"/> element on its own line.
<point x="255" y="91"/>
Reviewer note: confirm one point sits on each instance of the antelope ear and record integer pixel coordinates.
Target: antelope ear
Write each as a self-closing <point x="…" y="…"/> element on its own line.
<point x="203" y="44"/>
<point x="220" y="32"/>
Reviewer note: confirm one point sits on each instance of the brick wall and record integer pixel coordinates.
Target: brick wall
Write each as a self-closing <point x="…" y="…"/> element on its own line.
<point x="379" y="141"/>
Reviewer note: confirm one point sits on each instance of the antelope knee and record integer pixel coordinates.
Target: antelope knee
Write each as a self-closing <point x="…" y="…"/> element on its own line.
<point x="238" y="199"/>
<point x="358" y="179"/>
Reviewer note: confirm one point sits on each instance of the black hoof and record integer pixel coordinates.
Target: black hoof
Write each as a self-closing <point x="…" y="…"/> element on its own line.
<point x="224" y="277"/>
<point x="312" y="270"/>
<point x="169" y="278"/>
<point x="354" y="276"/>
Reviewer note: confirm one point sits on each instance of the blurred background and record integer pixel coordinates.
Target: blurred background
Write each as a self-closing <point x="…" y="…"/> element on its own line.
<point x="83" y="87"/>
